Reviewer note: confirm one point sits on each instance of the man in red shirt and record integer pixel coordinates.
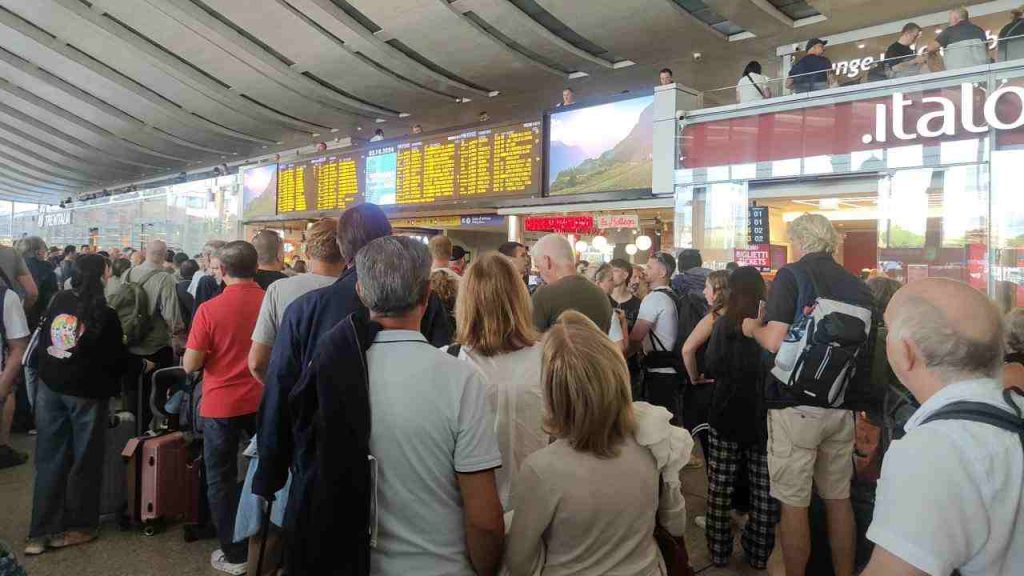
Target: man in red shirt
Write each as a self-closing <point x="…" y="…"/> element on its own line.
<point x="219" y="346"/>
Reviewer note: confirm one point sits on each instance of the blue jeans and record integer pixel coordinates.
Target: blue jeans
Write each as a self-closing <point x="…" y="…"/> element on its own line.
<point x="221" y="440"/>
<point x="69" y="462"/>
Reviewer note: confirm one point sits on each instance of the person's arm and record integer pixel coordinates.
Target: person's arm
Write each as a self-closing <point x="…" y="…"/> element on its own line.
<point x="199" y="343"/>
<point x="620" y="319"/>
<point x="259" y="359"/>
<point x="769" y="336"/>
<point x="485" y="525"/>
<point x="696" y="339"/>
<point x="475" y="457"/>
<point x="885" y="563"/>
<point x="535" y="509"/>
<point x="12" y="368"/>
<point x="17" y="335"/>
<point x="170" y="309"/>
<point x="193" y="360"/>
<point x="28" y="284"/>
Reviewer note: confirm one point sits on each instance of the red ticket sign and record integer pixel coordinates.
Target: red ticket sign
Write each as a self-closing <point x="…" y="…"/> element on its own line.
<point x="758" y="255"/>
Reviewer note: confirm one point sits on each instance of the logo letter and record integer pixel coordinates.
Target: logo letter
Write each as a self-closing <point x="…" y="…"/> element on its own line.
<point x="991" y="104"/>
<point x="898" y="104"/>
<point x="967" y="109"/>
<point x="947" y="114"/>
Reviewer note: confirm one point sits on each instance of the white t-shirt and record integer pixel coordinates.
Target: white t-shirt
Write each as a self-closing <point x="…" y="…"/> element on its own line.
<point x="15" y="324"/>
<point x="951" y="495"/>
<point x="746" y="91"/>
<point x="515" y="396"/>
<point x="615" y="329"/>
<point x="279" y="295"/>
<point x="659" y="309"/>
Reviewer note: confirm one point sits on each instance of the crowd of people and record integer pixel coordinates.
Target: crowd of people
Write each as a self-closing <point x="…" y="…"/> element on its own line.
<point x="962" y="44"/>
<point x="405" y="412"/>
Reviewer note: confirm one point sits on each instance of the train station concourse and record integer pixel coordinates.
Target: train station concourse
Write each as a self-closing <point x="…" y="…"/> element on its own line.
<point x="517" y="287"/>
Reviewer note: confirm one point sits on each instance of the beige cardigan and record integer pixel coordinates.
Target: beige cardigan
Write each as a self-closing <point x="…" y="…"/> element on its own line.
<point x="576" y="513"/>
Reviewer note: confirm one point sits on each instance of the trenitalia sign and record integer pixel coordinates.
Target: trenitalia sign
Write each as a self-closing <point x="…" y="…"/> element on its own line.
<point x="942" y="117"/>
<point x="927" y="118"/>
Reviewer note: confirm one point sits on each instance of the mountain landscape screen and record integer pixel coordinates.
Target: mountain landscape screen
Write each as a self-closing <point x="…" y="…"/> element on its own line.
<point x="601" y="148"/>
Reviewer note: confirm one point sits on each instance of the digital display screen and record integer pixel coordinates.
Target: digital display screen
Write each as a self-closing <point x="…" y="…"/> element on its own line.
<point x="259" y="188"/>
<point x="491" y="161"/>
<point x="602" y="148"/>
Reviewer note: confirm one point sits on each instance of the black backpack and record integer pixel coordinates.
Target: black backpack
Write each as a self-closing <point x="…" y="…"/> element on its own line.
<point x="690" y="309"/>
<point x="985" y="414"/>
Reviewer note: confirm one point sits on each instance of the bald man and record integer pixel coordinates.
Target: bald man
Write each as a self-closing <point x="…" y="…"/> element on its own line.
<point x="165" y="321"/>
<point x="564" y="289"/>
<point x="951" y="492"/>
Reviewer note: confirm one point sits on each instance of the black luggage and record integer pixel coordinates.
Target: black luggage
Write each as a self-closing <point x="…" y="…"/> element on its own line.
<point x="114" y="490"/>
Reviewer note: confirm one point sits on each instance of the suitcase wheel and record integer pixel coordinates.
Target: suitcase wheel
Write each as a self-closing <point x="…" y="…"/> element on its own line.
<point x="152" y="528"/>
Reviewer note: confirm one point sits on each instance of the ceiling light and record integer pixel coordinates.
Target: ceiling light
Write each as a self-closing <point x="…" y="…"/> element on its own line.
<point x="333" y="130"/>
<point x="623" y="64"/>
<point x="577" y="74"/>
<point x="643" y="242"/>
<point x="600" y="242"/>
<point x="379" y="120"/>
<point x="581" y="246"/>
<point x="938" y="30"/>
<point x="494" y="93"/>
<point x="828" y="204"/>
<point x="861" y="46"/>
<point x="404" y="114"/>
<point x="315" y="135"/>
<point x="631" y="249"/>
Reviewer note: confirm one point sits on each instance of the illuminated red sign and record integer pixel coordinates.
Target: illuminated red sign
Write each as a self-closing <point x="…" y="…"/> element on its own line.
<point x="559" y="223"/>
<point x="757" y="255"/>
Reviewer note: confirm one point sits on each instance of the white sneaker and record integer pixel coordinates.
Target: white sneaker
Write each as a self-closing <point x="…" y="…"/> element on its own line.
<point x="220" y="563"/>
<point x="701" y="522"/>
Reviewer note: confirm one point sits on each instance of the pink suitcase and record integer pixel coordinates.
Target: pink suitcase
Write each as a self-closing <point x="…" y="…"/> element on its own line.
<point x="162" y="480"/>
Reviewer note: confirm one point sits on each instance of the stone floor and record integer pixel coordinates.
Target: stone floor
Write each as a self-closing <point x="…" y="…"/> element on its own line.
<point x="129" y="553"/>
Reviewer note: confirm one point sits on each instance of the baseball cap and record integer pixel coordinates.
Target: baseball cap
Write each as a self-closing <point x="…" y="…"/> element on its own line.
<point x="815" y="41"/>
<point x="458" y="252"/>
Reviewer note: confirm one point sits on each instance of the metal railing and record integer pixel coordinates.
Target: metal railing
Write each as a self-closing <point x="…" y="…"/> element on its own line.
<point x="932" y="65"/>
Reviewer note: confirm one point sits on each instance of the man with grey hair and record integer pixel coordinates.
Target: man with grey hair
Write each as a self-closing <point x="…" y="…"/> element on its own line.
<point x="164" y="328"/>
<point x="564" y="288"/>
<point x="951" y="495"/>
<point x="209" y="249"/>
<point x="963" y="43"/>
<point x="811" y="446"/>
<point x="432" y="434"/>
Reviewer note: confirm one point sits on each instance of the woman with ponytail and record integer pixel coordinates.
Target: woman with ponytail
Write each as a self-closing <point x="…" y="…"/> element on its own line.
<point x="81" y="356"/>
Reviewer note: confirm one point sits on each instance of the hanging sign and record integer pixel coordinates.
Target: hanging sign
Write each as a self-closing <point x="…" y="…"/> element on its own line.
<point x="608" y="221"/>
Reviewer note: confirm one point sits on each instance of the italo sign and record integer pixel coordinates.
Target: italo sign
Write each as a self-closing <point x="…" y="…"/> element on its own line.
<point x="927" y="118"/>
<point x="50" y="219"/>
<point x="944" y="117"/>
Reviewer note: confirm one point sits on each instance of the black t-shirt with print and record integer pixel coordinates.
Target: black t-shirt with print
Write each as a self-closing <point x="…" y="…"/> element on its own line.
<point x="630" y="309"/>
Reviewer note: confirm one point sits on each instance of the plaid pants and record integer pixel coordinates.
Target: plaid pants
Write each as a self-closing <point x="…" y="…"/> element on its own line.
<point x="759" y="534"/>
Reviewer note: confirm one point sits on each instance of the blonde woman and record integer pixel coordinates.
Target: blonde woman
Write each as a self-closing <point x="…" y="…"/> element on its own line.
<point x="716" y="291"/>
<point x="497" y="335"/>
<point x="588" y="502"/>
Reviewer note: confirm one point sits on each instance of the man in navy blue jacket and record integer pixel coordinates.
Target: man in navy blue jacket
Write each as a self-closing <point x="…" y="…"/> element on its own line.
<point x="305" y="321"/>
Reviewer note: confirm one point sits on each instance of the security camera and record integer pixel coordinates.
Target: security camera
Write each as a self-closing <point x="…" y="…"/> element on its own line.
<point x="698" y="57"/>
<point x="680" y="114"/>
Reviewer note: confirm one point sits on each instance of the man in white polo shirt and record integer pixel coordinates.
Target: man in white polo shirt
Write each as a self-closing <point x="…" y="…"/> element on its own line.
<point x="951" y="490"/>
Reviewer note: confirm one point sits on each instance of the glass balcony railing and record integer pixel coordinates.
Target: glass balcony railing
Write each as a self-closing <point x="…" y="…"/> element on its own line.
<point x="956" y="59"/>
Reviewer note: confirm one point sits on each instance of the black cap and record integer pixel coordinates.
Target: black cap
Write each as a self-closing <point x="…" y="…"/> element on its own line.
<point x="458" y="252"/>
<point x="815" y="41"/>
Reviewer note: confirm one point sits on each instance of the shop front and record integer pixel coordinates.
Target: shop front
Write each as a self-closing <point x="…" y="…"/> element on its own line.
<point x="921" y="179"/>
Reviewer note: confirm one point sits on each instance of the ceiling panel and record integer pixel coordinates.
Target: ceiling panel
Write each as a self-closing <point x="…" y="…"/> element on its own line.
<point x="98" y="94"/>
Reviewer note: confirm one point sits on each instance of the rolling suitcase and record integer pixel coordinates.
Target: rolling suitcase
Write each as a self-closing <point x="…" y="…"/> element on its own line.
<point x="160" y="479"/>
<point x="113" y="496"/>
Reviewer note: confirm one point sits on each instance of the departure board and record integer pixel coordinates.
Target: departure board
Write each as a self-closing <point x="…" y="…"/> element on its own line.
<point x="489" y="161"/>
